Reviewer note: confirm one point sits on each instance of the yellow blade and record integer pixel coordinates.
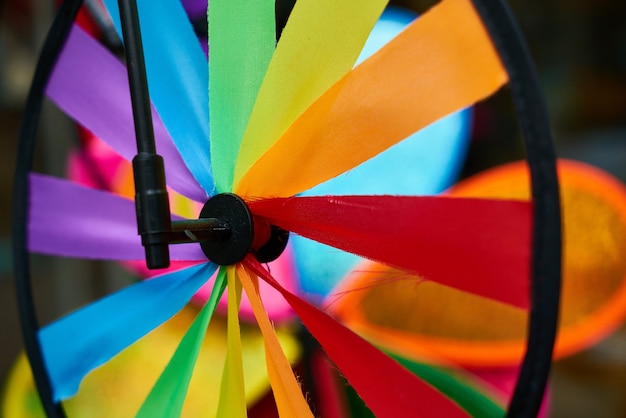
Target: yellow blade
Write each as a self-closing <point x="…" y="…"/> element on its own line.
<point x="442" y="62"/>
<point x="321" y="42"/>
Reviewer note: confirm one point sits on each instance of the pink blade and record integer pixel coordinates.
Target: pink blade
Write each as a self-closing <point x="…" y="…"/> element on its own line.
<point x="480" y="246"/>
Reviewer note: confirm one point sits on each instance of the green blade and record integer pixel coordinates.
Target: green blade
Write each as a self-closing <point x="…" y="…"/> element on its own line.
<point x="242" y="37"/>
<point x="166" y="398"/>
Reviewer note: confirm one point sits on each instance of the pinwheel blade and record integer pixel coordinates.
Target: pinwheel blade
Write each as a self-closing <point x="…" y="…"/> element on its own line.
<point x="83" y="340"/>
<point x="91" y="86"/>
<point x="243" y="37"/>
<point x="70" y="220"/>
<point x="387" y="388"/>
<point x="320" y="43"/>
<point x="476" y="245"/>
<point x="466" y="389"/>
<point x="287" y="392"/>
<point x="177" y="79"/>
<point x="232" y="402"/>
<point x="441" y="63"/>
<point x="168" y="394"/>
<point x="426" y="163"/>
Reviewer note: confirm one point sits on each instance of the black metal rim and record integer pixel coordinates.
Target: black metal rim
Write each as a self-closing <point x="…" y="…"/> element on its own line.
<point x="540" y="155"/>
<point x="53" y="45"/>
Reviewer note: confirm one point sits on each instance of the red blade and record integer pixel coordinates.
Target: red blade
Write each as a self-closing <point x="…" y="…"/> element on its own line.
<point x="481" y="246"/>
<point x="387" y="388"/>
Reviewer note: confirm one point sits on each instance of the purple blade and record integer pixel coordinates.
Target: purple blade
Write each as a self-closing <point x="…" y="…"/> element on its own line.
<point x="87" y="338"/>
<point x="67" y="219"/>
<point x="91" y="86"/>
<point x="195" y="8"/>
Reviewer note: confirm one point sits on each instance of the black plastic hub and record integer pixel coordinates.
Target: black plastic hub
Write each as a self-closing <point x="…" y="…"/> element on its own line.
<point x="274" y="246"/>
<point x="246" y="233"/>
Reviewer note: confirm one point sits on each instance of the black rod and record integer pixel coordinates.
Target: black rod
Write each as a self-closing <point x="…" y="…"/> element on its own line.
<point x="57" y="35"/>
<point x="199" y="230"/>
<point x="151" y="197"/>
<point x="140" y="99"/>
<point x="546" y="260"/>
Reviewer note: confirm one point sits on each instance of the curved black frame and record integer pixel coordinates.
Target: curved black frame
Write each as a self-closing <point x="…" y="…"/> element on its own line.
<point x="532" y="114"/>
<point x="53" y="45"/>
<point x="540" y="155"/>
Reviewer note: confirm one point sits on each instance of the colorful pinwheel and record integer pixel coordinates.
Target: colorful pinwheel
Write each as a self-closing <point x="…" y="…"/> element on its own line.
<point x="283" y="119"/>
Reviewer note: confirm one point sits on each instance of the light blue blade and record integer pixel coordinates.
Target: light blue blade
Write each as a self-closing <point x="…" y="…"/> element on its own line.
<point x="426" y="163"/>
<point x="178" y="80"/>
<point x="87" y="338"/>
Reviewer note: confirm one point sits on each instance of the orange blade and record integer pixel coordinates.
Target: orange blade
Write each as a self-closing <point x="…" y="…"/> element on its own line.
<point x="441" y="63"/>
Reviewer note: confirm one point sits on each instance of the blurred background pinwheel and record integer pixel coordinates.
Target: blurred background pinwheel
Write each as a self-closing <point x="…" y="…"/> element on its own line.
<point x="281" y="121"/>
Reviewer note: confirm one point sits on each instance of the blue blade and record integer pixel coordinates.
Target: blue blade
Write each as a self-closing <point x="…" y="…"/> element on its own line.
<point x="178" y="80"/>
<point x="87" y="338"/>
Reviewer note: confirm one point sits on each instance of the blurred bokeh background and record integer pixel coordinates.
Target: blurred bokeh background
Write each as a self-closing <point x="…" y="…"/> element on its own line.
<point x="579" y="47"/>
